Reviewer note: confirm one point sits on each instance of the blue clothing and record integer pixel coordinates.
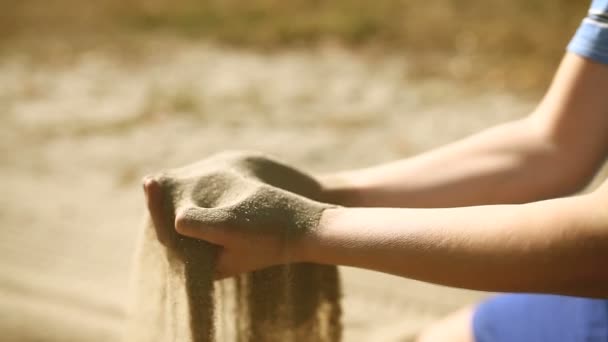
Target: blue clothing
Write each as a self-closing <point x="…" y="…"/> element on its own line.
<point x="541" y="318"/>
<point x="591" y="39"/>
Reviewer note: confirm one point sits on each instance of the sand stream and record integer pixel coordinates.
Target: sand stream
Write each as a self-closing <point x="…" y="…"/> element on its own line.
<point x="174" y="291"/>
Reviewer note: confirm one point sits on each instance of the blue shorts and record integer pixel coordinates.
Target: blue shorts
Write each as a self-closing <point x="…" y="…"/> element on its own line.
<point x="541" y="318"/>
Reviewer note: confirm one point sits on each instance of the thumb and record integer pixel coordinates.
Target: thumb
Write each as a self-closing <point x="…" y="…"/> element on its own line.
<point x="209" y="224"/>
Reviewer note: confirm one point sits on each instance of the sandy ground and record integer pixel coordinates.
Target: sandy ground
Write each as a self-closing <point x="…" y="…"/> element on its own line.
<point x="77" y="136"/>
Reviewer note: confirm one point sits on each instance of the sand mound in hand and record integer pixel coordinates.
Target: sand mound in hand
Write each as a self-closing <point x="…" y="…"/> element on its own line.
<point x="174" y="296"/>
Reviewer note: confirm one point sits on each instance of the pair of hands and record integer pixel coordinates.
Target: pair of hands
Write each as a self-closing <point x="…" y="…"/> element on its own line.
<point x="257" y="210"/>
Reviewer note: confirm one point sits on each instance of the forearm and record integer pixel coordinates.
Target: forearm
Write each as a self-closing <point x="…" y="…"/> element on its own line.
<point x="553" y="152"/>
<point x="505" y="164"/>
<point x="556" y="246"/>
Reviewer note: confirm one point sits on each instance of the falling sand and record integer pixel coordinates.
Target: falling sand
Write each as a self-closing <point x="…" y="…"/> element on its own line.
<point x="175" y="296"/>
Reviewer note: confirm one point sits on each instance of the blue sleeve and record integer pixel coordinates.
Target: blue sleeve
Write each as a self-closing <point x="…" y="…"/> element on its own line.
<point x="591" y="39"/>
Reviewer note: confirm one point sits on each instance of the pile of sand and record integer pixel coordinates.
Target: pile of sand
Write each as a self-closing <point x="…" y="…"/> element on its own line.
<point x="175" y="298"/>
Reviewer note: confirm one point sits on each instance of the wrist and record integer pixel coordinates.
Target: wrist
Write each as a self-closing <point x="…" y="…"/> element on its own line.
<point x="311" y="245"/>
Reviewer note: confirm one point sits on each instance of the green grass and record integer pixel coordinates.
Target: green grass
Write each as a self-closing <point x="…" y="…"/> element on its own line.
<point x="513" y="43"/>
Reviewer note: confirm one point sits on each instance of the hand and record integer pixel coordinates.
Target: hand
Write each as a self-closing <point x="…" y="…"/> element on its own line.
<point x="256" y="209"/>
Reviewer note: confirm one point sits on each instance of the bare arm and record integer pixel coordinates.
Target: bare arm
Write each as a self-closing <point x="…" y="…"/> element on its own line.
<point x="551" y="246"/>
<point x="554" y="246"/>
<point x="553" y="152"/>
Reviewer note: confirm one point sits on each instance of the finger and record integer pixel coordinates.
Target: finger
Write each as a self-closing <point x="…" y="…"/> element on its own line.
<point x="203" y="223"/>
<point x="157" y="209"/>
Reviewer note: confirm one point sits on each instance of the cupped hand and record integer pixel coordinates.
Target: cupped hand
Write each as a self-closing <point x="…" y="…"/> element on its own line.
<point x="257" y="210"/>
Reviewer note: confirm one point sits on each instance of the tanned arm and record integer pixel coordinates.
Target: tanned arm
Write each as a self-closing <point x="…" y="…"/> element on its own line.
<point x="553" y="152"/>
<point x="553" y="246"/>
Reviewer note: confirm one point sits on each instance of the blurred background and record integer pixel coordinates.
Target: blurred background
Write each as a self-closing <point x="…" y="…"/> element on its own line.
<point x="95" y="94"/>
<point x="510" y="43"/>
